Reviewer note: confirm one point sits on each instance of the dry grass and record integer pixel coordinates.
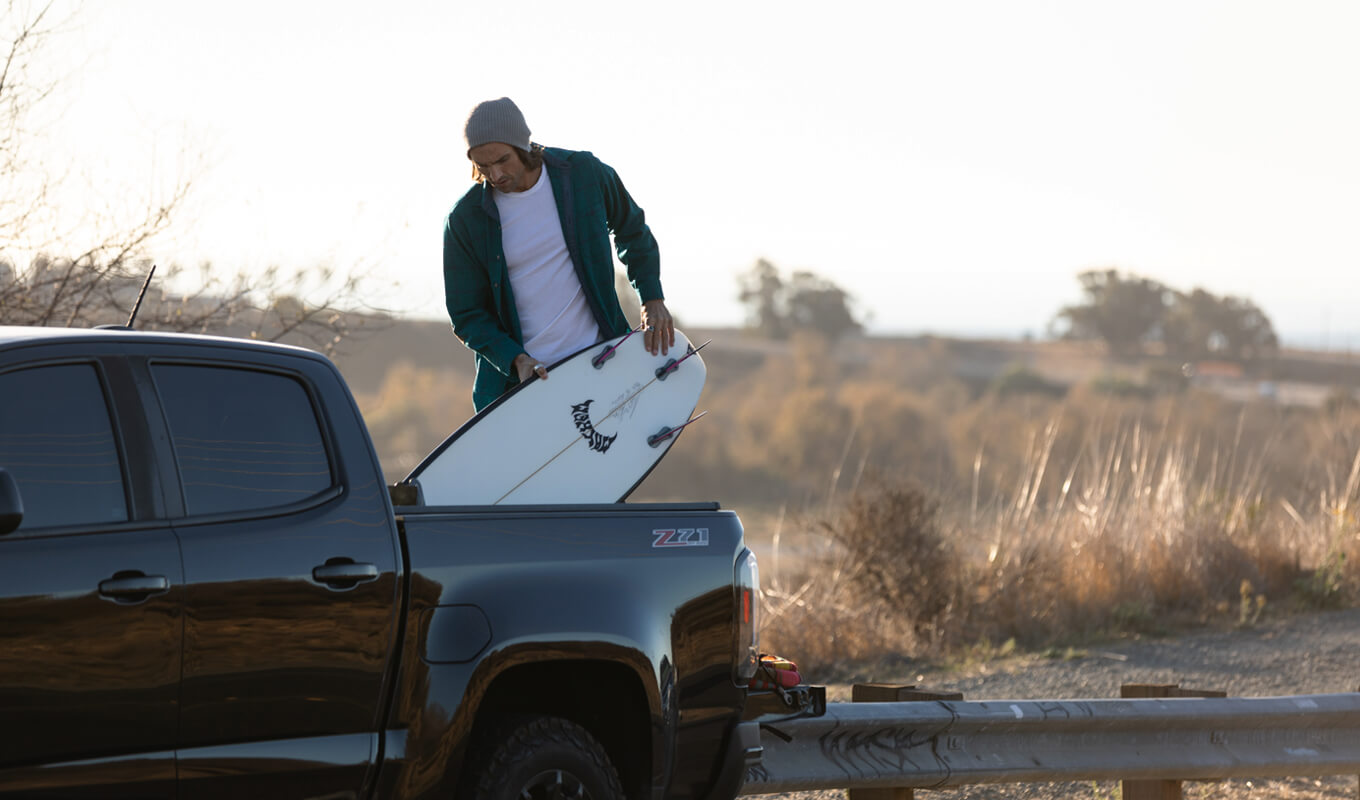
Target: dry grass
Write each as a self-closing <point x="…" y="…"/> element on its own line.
<point x="907" y="507"/>
<point x="1072" y="518"/>
<point x="1136" y="530"/>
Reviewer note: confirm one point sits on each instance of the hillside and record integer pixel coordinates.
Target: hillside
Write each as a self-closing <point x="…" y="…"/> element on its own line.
<point x="380" y="344"/>
<point x="926" y="495"/>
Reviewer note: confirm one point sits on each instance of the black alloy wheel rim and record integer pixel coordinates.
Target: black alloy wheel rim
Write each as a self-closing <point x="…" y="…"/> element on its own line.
<point x="554" y="784"/>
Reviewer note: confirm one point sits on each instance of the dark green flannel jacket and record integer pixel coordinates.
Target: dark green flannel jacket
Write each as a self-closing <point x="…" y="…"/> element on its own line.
<point x="592" y="204"/>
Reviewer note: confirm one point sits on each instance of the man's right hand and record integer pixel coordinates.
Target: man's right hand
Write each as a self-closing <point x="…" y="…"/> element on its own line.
<point x="526" y="367"/>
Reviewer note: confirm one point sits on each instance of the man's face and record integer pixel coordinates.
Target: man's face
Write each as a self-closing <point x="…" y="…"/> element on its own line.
<point x="501" y="165"/>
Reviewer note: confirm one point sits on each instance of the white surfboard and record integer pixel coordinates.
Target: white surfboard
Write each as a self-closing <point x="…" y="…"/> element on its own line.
<point x="588" y="434"/>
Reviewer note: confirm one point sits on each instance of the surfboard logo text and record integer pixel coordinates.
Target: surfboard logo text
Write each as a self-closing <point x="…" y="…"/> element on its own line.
<point x="580" y="414"/>
<point x="680" y="537"/>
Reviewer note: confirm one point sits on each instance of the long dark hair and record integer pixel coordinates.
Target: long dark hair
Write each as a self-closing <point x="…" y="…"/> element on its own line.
<point x="531" y="158"/>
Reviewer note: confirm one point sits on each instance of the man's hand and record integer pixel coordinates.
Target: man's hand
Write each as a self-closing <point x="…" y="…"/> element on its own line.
<point x="658" y="328"/>
<point x="526" y="367"/>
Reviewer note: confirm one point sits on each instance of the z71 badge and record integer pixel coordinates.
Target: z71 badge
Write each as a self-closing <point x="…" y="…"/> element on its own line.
<point x="680" y="537"/>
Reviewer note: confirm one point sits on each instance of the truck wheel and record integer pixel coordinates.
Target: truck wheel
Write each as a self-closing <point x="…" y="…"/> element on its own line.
<point x="547" y="758"/>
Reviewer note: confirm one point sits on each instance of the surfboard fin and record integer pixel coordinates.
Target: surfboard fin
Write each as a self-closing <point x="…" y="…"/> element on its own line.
<point x="671" y="366"/>
<point x="667" y="432"/>
<point x="608" y="352"/>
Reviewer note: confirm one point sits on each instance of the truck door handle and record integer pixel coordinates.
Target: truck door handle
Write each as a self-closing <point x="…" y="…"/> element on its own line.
<point x="133" y="587"/>
<point x="344" y="574"/>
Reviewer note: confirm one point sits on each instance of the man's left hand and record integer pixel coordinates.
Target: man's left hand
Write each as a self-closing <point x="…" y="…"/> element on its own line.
<point x="658" y="328"/>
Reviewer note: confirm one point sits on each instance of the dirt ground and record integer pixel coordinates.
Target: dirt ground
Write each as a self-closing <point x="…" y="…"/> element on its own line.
<point x="1311" y="654"/>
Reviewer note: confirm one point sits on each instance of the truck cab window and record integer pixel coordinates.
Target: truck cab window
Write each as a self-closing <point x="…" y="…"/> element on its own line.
<point x="56" y="439"/>
<point x="244" y="439"/>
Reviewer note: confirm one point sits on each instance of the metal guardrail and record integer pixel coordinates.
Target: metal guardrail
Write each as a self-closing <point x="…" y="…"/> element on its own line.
<point x="929" y="745"/>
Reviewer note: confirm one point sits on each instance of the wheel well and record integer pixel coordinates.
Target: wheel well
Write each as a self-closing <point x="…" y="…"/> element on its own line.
<point x="603" y="697"/>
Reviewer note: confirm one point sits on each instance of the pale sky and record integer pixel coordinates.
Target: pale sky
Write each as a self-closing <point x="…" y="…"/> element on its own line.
<point x="953" y="165"/>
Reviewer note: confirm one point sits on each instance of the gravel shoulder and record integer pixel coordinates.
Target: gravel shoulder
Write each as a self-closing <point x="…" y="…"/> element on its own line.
<point x="1315" y="653"/>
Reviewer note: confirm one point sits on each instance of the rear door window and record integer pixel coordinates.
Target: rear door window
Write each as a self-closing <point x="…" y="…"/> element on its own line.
<point x="244" y="439"/>
<point x="57" y="441"/>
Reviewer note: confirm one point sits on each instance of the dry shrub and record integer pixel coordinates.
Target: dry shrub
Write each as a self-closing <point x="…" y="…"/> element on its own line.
<point x="807" y="430"/>
<point x="412" y="412"/>
<point x="1137" y="528"/>
<point x="877" y="577"/>
<point x="787" y="416"/>
<point x="897" y="431"/>
<point x="901" y="560"/>
<point x="1332" y="542"/>
<point x="818" y="629"/>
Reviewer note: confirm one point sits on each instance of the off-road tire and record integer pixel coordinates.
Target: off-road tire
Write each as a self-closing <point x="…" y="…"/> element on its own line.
<point x="547" y="758"/>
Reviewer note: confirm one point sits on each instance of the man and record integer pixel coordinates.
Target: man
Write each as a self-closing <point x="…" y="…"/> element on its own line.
<point x="528" y="270"/>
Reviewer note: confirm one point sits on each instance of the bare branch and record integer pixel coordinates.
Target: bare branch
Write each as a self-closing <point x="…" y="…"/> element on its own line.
<point x="79" y="269"/>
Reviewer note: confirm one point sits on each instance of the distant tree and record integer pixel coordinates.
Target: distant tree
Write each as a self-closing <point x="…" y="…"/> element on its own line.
<point x="762" y="292"/>
<point x="1248" y="331"/>
<point x="1125" y="311"/>
<point x="1188" y="329"/>
<point x="1199" y="324"/>
<point x="815" y="303"/>
<point x="1122" y="310"/>
<point x="776" y="307"/>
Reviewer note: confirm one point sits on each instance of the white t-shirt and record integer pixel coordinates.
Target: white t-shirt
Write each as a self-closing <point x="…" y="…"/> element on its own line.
<point x="553" y="313"/>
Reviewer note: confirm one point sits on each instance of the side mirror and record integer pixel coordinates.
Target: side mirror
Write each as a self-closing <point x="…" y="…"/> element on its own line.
<point x="11" y="505"/>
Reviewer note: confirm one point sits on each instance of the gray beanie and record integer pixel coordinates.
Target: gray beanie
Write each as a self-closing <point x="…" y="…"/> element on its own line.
<point x="497" y="121"/>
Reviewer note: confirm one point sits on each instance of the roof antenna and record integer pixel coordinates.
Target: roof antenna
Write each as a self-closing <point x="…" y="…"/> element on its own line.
<point x="135" y="306"/>
<point x="140" y="295"/>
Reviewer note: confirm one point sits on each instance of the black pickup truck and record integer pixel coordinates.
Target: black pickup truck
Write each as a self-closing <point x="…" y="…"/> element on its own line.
<point x="206" y="591"/>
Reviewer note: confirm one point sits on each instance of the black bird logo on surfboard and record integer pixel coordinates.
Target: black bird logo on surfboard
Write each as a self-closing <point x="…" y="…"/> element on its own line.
<point x="580" y="414"/>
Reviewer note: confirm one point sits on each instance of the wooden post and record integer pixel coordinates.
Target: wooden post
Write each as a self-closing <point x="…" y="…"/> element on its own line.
<point x="1158" y="789"/>
<point x="895" y="693"/>
<point x="892" y="693"/>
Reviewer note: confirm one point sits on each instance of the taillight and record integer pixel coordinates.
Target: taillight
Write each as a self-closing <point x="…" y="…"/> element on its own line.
<point x="747" y="584"/>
